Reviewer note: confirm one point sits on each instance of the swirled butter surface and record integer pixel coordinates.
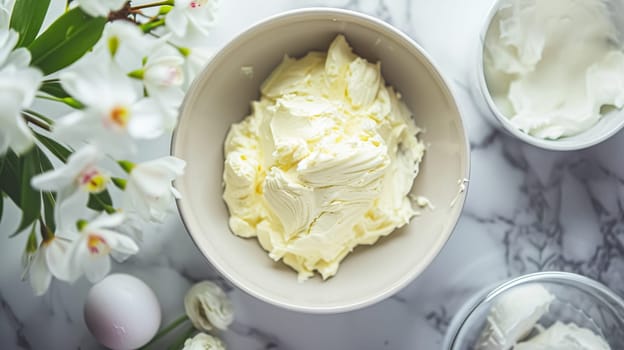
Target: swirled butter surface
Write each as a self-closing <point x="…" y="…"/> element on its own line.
<point x="324" y="163"/>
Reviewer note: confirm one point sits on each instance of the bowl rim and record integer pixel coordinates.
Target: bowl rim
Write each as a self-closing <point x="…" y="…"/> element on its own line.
<point x="551" y="145"/>
<point x="493" y="290"/>
<point x="459" y="203"/>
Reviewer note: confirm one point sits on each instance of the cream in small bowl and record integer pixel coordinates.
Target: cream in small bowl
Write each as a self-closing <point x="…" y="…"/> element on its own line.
<point x="552" y="72"/>
<point x="221" y="97"/>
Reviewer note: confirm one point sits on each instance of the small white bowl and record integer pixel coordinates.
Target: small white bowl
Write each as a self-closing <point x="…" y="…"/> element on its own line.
<point x="221" y="96"/>
<point x="606" y="127"/>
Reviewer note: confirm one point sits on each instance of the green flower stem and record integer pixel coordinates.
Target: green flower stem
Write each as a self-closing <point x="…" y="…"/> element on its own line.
<point x="137" y="74"/>
<point x="149" y="26"/>
<point x="66" y="100"/>
<point x="179" y="343"/>
<point x="81" y="224"/>
<point x="153" y="4"/>
<point x="107" y="208"/>
<point x="35" y="121"/>
<point x="126" y="165"/>
<point x="120" y="183"/>
<point x="165" y="331"/>
<point x="31" y="243"/>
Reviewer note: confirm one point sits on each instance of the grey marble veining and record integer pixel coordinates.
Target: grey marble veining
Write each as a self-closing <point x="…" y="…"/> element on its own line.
<point x="527" y="210"/>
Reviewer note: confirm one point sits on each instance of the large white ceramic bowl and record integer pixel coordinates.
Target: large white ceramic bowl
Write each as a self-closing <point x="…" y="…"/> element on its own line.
<point x="221" y="95"/>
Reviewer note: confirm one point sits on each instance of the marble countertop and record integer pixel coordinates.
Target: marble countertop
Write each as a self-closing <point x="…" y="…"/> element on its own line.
<point x="527" y="210"/>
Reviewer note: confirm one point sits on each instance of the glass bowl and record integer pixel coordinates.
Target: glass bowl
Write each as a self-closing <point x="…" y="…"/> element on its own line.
<point x="578" y="300"/>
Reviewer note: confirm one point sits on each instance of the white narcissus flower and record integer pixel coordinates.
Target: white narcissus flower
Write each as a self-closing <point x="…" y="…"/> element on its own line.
<point x="149" y="191"/>
<point x="100" y="8"/>
<point x="89" y="253"/>
<point x="203" y="341"/>
<point x="18" y="86"/>
<point x="207" y="306"/>
<point x="115" y="111"/>
<point x="49" y="260"/>
<point x="189" y="21"/>
<point x="73" y="182"/>
<point x="124" y="40"/>
<point x="163" y="75"/>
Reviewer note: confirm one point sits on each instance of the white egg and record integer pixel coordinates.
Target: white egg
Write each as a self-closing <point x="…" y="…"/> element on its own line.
<point x="122" y="312"/>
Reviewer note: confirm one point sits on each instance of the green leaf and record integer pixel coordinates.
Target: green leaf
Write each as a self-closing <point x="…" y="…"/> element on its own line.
<point x="54" y="88"/>
<point x="1" y="204"/>
<point x="27" y="18"/>
<point x="66" y="40"/>
<point x="9" y="176"/>
<point x="30" y="199"/>
<point x="49" y="198"/>
<point x="61" y="152"/>
<point x="101" y="202"/>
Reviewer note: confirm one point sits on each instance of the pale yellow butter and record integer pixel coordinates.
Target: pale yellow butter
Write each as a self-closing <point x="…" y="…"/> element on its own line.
<point x="325" y="162"/>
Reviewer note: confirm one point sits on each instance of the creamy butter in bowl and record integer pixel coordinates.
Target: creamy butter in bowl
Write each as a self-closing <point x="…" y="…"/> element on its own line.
<point x="325" y="162"/>
<point x="317" y="176"/>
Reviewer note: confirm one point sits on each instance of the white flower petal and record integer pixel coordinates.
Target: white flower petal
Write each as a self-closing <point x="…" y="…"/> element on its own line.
<point x="106" y="221"/>
<point x="119" y="242"/>
<point x="149" y="191"/>
<point x="19" y="58"/>
<point x="78" y="258"/>
<point x="39" y="275"/>
<point x="22" y="138"/>
<point x="176" y="21"/>
<point x="100" y="8"/>
<point x="70" y="207"/>
<point x="207" y="305"/>
<point x="57" y="256"/>
<point x="97" y="267"/>
<point x="146" y="121"/>
<point x="75" y="126"/>
<point x="8" y="39"/>
<point x="101" y="89"/>
<point x="66" y="174"/>
<point x="134" y="202"/>
<point x="203" y="341"/>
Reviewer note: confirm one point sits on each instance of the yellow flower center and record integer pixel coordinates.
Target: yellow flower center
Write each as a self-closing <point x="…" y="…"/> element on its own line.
<point x="119" y="117"/>
<point x="93" y="181"/>
<point x="97" y="245"/>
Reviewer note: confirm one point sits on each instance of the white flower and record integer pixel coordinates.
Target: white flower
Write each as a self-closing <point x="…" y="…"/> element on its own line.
<point x="115" y="112"/>
<point x="49" y="260"/>
<point x="203" y="341"/>
<point x="163" y="75"/>
<point x="207" y="305"/>
<point x="73" y="182"/>
<point x="196" y="60"/>
<point x="124" y="41"/>
<point x="149" y="191"/>
<point x="100" y="8"/>
<point x="190" y="20"/>
<point x="89" y="253"/>
<point x="18" y="86"/>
